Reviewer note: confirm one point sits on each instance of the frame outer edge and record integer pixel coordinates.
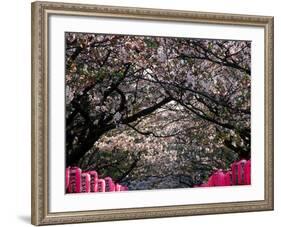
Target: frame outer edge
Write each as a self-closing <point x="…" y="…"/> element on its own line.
<point x="270" y="91"/>
<point x="36" y="107"/>
<point x="269" y="114"/>
<point x="272" y="110"/>
<point x="39" y="120"/>
<point x="33" y="118"/>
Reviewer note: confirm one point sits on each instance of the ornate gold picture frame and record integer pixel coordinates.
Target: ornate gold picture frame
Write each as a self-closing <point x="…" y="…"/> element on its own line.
<point x="42" y="211"/>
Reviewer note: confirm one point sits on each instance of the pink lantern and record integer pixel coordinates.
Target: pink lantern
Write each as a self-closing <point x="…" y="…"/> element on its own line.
<point x="117" y="187"/>
<point x="101" y="185"/>
<point x="124" y="188"/>
<point x="228" y="178"/>
<point x="248" y="172"/>
<point x="241" y="172"/>
<point x="93" y="181"/>
<point x="109" y="185"/>
<point x="234" y="170"/>
<point x="218" y="178"/>
<point x="85" y="182"/>
<point x="74" y="185"/>
<point x="210" y="182"/>
<point x="66" y="177"/>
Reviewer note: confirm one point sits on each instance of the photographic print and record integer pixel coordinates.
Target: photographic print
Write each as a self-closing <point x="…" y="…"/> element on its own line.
<point x="147" y="112"/>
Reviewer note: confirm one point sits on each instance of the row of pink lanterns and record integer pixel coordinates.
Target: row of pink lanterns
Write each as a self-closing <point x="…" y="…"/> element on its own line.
<point x="239" y="174"/>
<point x="77" y="182"/>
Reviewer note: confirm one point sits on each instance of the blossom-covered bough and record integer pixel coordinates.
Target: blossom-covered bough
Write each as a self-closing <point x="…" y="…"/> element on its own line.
<point x="152" y="107"/>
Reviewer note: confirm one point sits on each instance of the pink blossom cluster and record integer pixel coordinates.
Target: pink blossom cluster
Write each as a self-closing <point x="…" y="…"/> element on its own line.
<point x="238" y="174"/>
<point x="77" y="181"/>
